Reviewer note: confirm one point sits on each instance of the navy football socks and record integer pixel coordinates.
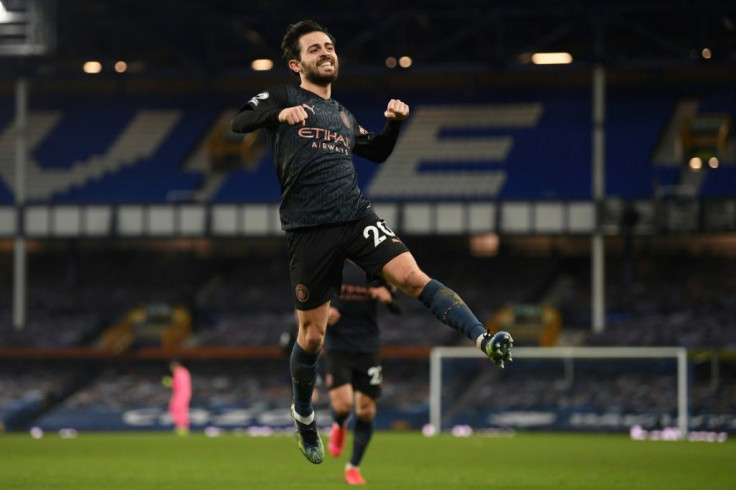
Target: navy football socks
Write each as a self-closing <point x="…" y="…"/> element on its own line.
<point x="362" y="433"/>
<point x="450" y="309"/>
<point x="340" y="418"/>
<point x="303" y="367"/>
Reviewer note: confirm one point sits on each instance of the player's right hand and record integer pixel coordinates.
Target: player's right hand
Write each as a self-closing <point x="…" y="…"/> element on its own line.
<point x="293" y="115"/>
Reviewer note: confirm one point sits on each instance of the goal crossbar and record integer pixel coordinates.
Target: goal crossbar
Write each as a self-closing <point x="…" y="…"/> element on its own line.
<point x="679" y="353"/>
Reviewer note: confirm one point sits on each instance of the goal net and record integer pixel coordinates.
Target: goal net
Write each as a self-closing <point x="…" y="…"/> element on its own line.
<point x="568" y="388"/>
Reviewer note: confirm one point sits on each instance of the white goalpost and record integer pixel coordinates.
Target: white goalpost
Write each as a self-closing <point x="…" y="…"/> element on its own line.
<point x="438" y="354"/>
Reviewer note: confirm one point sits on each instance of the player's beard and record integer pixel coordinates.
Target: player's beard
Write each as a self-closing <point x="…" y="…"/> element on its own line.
<point x="313" y="76"/>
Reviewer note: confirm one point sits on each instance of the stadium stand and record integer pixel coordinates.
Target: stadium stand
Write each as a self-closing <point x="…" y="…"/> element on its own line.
<point x="71" y="301"/>
<point x="230" y="302"/>
<point x="141" y="151"/>
<point x="514" y="145"/>
<point x="682" y="302"/>
<point x="108" y="151"/>
<point x="666" y="302"/>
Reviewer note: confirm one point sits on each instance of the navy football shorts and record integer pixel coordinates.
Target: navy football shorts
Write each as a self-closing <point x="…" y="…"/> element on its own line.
<point x="362" y="370"/>
<point x="317" y="255"/>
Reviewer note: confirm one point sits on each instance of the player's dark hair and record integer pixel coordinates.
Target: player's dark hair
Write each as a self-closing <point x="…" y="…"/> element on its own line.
<point x="290" y="43"/>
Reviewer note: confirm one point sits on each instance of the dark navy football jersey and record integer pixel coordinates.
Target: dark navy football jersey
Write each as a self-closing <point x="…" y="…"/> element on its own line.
<point x="314" y="161"/>
<point x="357" y="330"/>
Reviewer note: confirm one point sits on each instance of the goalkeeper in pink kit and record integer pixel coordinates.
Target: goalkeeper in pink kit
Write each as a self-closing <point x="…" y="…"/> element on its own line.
<point x="180" y="383"/>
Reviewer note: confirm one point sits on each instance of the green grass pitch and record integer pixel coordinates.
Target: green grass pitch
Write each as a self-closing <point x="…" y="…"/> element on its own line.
<point x="140" y="461"/>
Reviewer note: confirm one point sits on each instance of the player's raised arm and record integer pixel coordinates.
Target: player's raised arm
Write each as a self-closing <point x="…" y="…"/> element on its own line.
<point x="396" y="110"/>
<point x="378" y="147"/>
<point x="261" y="111"/>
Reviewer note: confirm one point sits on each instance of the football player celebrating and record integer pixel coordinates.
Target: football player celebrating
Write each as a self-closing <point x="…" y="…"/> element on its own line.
<point x="328" y="219"/>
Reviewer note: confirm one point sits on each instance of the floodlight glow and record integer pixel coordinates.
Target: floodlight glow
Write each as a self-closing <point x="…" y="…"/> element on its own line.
<point x="706" y="53"/>
<point x="696" y="163"/>
<point x="391" y="62"/>
<point x="92" y="67"/>
<point x="713" y="162"/>
<point x="262" y="64"/>
<point x="561" y="58"/>
<point x="121" y="66"/>
<point x="405" y="61"/>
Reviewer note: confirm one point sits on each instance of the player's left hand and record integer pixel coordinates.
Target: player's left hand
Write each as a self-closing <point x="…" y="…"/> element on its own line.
<point x="396" y="110"/>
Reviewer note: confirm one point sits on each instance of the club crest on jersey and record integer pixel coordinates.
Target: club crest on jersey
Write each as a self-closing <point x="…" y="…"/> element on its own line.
<point x="345" y="119"/>
<point x="302" y="293"/>
<point x="256" y="100"/>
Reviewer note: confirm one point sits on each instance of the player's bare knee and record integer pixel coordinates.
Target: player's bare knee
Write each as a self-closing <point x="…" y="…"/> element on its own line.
<point x="311" y="337"/>
<point x="342" y="407"/>
<point x="313" y="342"/>
<point x="413" y="282"/>
<point x="366" y="413"/>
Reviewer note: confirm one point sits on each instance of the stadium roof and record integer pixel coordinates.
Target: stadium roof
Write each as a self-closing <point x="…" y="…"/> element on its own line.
<point x="198" y="38"/>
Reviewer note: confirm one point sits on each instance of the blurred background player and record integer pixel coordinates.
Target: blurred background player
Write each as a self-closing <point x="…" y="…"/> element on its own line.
<point x="180" y="383"/>
<point x="354" y="371"/>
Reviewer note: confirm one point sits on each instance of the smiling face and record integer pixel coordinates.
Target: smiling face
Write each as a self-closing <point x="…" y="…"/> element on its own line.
<point x="318" y="63"/>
